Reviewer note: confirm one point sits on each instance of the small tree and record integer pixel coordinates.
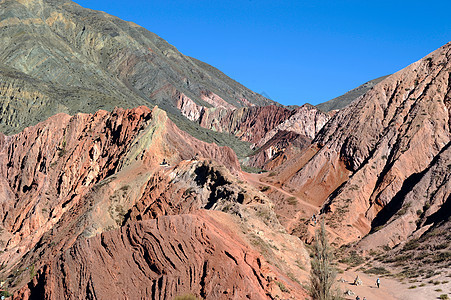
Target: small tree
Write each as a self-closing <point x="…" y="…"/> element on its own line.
<point x="323" y="273"/>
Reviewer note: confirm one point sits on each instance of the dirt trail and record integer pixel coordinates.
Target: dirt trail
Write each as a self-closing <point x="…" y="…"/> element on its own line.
<point x="254" y="179"/>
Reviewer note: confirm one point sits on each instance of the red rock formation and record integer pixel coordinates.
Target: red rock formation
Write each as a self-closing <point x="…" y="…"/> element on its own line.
<point x="249" y="123"/>
<point x="305" y="120"/>
<point x="159" y="259"/>
<point x="289" y="138"/>
<point x="370" y="156"/>
<point x="280" y="148"/>
<point x="48" y="169"/>
<point x="69" y="179"/>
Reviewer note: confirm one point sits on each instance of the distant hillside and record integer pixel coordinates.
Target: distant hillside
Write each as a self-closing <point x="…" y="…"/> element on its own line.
<point x="59" y="57"/>
<point x="344" y="100"/>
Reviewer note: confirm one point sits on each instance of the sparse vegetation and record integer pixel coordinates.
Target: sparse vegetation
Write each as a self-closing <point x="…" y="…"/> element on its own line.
<point x="62" y="150"/>
<point x="32" y="272"/>
<point x="299" y="264"/>
<point x="188" y="191"/>
<point x="444" y="296"/>
<point x="282" y="287"/>
<point x="377" y="271"/>
<point x="403" y="210"/>
<point x="410" y="245"/>
<point x="292" y="277"/>
<point x="249" y="169"/>
<point x="120" y="215"/>
<point x="354" y="187"/>
<point x="352" y="260"/>
<point x="125" y="188"/>
<point x="5" y="294"/>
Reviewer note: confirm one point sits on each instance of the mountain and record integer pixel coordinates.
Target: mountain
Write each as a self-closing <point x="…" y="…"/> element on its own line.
<point x="59" y="57"/>
<point x="379" y="169"/>
<point x="345" y="99"/>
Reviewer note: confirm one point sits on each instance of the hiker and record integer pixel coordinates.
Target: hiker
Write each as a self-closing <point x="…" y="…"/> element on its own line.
<point x="378" y="282"/>
<point x="314" y="219"/>
<point x="364" y="298"/>
<point x="357" y="298"/>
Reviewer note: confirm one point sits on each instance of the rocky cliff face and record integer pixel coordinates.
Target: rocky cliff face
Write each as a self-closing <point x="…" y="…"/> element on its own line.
<point x="379" y="164"/>
<point x="59" y="57"/>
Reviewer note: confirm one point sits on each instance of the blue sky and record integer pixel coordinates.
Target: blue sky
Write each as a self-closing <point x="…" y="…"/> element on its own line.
<point x="295" y="51"/>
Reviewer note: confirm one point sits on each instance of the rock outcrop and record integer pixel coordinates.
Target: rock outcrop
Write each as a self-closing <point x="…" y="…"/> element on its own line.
<point x="55" y="167"/>
<point x="249" y="124"/>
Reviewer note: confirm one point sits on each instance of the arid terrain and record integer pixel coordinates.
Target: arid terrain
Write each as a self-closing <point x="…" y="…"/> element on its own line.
<point x="131" y="171"/>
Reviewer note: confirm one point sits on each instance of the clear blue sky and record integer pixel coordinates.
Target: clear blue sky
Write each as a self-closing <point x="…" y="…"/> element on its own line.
<point x="295" y="51"/>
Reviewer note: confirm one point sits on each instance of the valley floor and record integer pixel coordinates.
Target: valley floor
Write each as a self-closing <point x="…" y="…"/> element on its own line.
<point x="392" y="289"/>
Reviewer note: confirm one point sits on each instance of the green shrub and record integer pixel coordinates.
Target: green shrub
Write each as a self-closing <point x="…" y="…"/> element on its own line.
<point x="264" y="188"/>
<point x="32" y="272"/>
<point x="352" y="260"/>
<point x="282" y="287"/>
<point x="5" y="294"/>
<point x="410" y="245"/>
<point x="292" y="200"/>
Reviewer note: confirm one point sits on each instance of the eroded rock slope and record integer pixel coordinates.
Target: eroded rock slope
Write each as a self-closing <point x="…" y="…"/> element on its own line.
<point x="382" y="163"/>
<point x="70" y="179"/>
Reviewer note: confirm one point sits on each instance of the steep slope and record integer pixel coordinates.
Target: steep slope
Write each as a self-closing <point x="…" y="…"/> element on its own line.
<point x="288" y="138"/>
<point x="159" y="259"/>
<point x="275" y="132"/>
<point x="49" y="169"/>
<point x="60" y="57"/>
<point x="345" y="99"/>
<point x="382" y="158"/>
<point x="69" y="179"/>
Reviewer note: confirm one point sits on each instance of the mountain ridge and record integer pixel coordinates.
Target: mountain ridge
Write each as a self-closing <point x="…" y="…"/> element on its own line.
<point x="124" y="63"/>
